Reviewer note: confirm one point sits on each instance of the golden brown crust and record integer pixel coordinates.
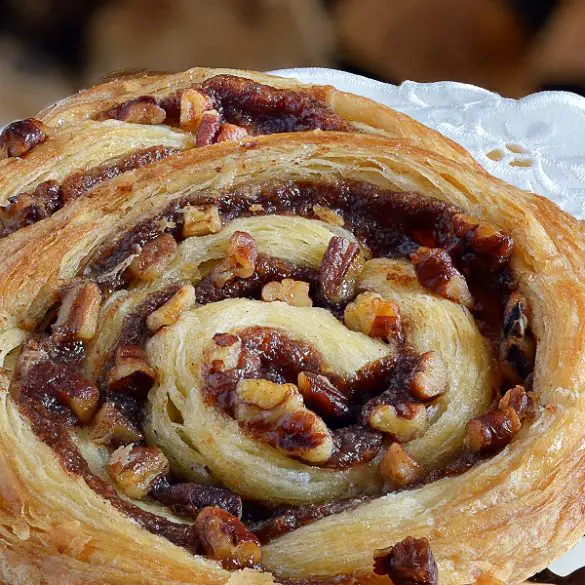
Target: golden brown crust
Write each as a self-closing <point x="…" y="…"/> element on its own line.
<point x="365" y="114"/>
<point x="506" y="518"/>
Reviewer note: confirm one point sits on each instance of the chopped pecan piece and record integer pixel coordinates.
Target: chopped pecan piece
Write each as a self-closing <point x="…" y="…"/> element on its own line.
<point x="208" y="129"/>
<point x="374" y="316"/>
<point x="154" y="258"/>
<point x="520" y="400"/>
<point x="201" y="220"/>
<point x="226" y="539"/>
<point x="189" y="498"/>
<point x="111" y="427"/>
<point x="398" y="468"/>
<point x="277" y="413"/>
<point x="21" y="137"/>
<point x="168" y="313"/>
<point x="293" y="292"/>
<point x="27" y="208"/>
<point x="340" y="267"/>
<point x="410" y="562"/>
<point x="517" y="345"/>
<point x="140" y="110"/>
<point x="241" y="255"/>
<point x="79" y="312"/>
<point x="403" y="422"/>
<point x="80" y="395"/>
<point x="265" y="395"/>
<point x="192" y="108"/>
<point x="435" y="271"/>
<point x="495" y="429"/>
<point x="482" y="237"/>
<point x="131" y="371"/>
<point x="230" y="132"/>
<point x="51" y="380"/>
<point x="321" y="396"/>
<point x="328" y="215"/>
<point x="429" y="378"/>
<point x="464" y="224"/>
<point x="134" y="469"/>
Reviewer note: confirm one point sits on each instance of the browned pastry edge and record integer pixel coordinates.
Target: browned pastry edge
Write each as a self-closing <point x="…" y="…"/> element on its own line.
<point x="559" y="258"/>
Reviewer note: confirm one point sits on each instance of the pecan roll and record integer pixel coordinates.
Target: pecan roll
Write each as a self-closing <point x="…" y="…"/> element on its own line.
<point x="235" y="350"/>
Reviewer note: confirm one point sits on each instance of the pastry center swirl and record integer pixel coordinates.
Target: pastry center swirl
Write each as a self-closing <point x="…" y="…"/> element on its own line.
<point x="280" y="351"/>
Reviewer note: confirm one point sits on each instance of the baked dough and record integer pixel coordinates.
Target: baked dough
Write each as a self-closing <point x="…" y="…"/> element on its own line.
<point x="504" y="517"/>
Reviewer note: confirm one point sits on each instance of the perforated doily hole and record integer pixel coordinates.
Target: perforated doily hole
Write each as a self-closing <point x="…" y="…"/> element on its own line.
<point x="521" y="162"/>
<point x="496" y="154"/>
<point x="503" y="155"/>
<point x="516" y="148"/>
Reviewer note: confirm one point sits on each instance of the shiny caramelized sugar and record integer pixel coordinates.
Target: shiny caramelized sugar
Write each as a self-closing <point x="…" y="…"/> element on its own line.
<point x="328" y="372"/>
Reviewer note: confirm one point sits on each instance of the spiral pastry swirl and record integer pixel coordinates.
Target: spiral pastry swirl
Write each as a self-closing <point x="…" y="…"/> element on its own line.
<point x="308" y="357"/>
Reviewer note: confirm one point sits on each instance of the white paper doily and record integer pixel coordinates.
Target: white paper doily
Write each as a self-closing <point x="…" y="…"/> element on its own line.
<point x="536" y="143"/>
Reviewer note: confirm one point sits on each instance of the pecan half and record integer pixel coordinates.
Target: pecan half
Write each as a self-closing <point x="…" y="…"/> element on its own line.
<point x="208" y="129"/>
<point x="517" y="344"/>
<point x="404" y="422"/>
<point x="293" y="292"/>
<point x="140" y="110"/>
<point x="435" y="271"/>
<point x="134" y="469"/>
<point x="131" y="371"/>
<point x="111" y="427"/>
<point x="201" y="220"/>
<point x="340" y="267"/>
<point x="226" y="539"/>
<point x="429" y="378"/>
<point x="398" y="468"/>
<point x="21" y="137"/>
<point x="79" y="313"/>
<point x="374" y="316"/>
<point x="168" y="313"/>
<point x="277" y="413"/>
<point x="241" y="254"/>
<point x="192" y="108"/>
<point x="410" y="562"/>
<point x="155" y="256"/>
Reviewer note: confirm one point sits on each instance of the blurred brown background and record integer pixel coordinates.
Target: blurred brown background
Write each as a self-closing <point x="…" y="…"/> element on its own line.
<point x="50" y="48"/>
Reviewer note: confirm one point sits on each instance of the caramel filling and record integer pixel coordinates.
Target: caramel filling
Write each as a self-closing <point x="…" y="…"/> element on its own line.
<point x="279" y="389"/>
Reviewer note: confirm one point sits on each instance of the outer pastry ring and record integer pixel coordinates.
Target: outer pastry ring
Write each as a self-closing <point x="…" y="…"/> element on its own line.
<point x="366" y="115"/>
<point x="507" y="518"/>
